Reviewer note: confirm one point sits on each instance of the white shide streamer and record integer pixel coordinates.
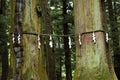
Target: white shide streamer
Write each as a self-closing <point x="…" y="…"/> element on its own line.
<point x="51" y="43"/>
<point x="107" y="37"/>
<point x="39" y="43"/>
<point x="70" y="43"/>
<point x="19" y="37"/>
<point x="80" y="39"/>
<point x="13" y="38"/>
<point x="93" y="37"/>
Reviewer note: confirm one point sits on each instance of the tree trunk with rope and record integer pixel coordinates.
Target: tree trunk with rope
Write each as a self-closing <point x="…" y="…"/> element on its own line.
<point x="33" y="60"/>
<point x="28" y="52"/>
<point x="93" y="60"/>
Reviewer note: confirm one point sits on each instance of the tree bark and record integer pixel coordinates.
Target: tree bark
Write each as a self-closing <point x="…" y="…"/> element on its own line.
<point x="17" y="32"/>
<point x="93" y="61"/>
<point x="114" y="36"/>
<point x="66" y="45"/>
<point x="33" y="65"/>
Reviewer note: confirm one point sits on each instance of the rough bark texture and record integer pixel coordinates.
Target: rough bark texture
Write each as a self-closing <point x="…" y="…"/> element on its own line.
<point x="17" y="46"/>
<point x="47" y="29"/>
<point x="33" y="65"/>
<point x="92" y="60"/>
<point x="66" y="45"/>
<point x="114" y="36"/>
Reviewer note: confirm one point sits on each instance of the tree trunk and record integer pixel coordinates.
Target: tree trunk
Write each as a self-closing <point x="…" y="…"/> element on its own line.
<point x="59" y="60"/>
<point x="17" y="31"/>
<point x="33" y="65"/>
<point x="3" y="7"/>
<point x="4" y="51"/>
<point x="93" y="61"/>
<point x="12" y="59"/>
<point x="66" y="45"/>
<point x="59" y="68"/>
<point x="114" y="36"/>
<point x="47" y="29"/>
<point x="4" y="63"/>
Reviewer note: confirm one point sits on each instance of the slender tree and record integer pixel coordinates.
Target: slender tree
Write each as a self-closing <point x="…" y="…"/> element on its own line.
<point x="3" y="41"/>
<point x="12" y="59"/>
<point x="93" y="60"/>
<point x="66" y="40"/>
<point x="59" y="67"/>
<point x="56" y="21"/>
<point x="47" y="29"/>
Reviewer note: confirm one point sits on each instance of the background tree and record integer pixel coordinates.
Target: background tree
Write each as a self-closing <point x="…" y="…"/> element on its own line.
<point x="3" y="40"/>
<point x="47" y="29"/>
<point x="66" y="42"/>
<point x="12" y="59"/>
<point x="92" y="58"/>
<point x="56" y="21"/>
<point x="61" y="14"/>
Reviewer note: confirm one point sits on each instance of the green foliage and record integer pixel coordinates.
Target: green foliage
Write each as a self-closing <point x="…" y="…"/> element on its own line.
<point x="4" y="30"/>
<point x="56" y="12"/>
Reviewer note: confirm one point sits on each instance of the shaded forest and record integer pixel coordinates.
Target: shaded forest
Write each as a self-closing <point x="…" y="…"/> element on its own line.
<point x="59" y="39"/>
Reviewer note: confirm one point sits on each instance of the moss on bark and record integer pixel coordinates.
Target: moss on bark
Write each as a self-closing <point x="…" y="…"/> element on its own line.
<point x="11" y="56"/>
<point x="92" y="60"/>
<point x="33" y="65"/>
